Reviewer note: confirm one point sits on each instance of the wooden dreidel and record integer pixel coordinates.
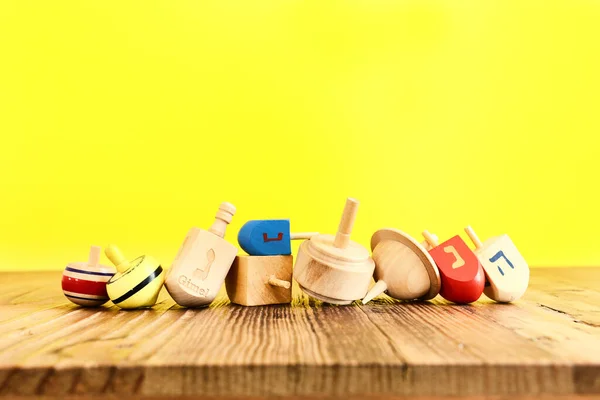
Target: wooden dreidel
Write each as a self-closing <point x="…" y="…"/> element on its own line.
<point x="136" y="283"/>
<point x="200" y="267"/>
<point x="269" y="237"/>
<point x="335" y="269"/>
<point x="403" y="267"/>
<point x="84" y="283"/>
<point x="260" y="280"/>
<point x="460" y="271"/>
<point x="505" y="268"/>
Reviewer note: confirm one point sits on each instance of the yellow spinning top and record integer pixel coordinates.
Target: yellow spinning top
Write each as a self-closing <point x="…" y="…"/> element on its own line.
<point x="137" y="283"/>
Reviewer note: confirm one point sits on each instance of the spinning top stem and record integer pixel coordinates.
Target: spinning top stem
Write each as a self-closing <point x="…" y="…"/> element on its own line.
<point x="376" y="290"/>
<point x="94" y="257"/>
<point x="117" y="258"/>
<point x="222" y="219"/>
<point x="473" y="236"/>
<point x="342" y="237"/>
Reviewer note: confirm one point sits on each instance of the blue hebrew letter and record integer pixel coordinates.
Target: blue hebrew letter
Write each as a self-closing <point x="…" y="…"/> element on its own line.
<point x="498" y="256"/>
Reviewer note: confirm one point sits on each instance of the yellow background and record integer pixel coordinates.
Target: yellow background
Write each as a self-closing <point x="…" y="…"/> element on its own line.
<point x="129" y="121"/>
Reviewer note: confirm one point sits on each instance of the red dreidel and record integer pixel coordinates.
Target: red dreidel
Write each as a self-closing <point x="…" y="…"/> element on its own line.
<point x="461" y="273"/>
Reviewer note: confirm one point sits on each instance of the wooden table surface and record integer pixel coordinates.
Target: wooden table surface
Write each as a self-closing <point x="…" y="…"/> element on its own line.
<point x="547" y="343"/>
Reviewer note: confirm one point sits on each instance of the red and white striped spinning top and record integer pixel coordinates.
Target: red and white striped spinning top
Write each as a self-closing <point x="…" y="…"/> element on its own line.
<point x="84" y="283"/>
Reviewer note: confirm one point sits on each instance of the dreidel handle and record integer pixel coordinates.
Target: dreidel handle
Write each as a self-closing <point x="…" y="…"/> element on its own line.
<point x="430" y="238"/>
<point x="342" y="237"/>
<point x="426" y="244"/>
<point x="302" y="235"/>
<point x="94" y="257"/>
<point x="222" y="219"/>
<point x="278" y="282"/>
<point x="474" y="238"/>
<point x="117" y="258"/>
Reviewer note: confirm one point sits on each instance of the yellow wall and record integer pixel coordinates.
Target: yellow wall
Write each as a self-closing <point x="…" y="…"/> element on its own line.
<point x="129" y="121"/>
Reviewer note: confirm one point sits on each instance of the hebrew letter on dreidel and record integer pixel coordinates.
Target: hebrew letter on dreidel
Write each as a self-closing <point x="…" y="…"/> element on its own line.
<point x="267" y="239"/>
<point x="202" y="273"/>
<point x="498" y="256"/>
<point x="459" y="260"/>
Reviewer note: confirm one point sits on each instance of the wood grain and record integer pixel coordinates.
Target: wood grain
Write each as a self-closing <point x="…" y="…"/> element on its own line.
<point x="546" y="344"/>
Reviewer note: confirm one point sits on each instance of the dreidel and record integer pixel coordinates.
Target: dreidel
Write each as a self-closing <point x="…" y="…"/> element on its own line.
<point x="334" y="269"/>
<point x="403" y="268"/>
<point x="260" y="280"/>
<point x="204" y="258"/>
<point x="136" y="283"/>
<point x="269" y="237"/>
<point x="84" y="283"/>
<point x="461" y="273"/>
<point x="505" y="268"/>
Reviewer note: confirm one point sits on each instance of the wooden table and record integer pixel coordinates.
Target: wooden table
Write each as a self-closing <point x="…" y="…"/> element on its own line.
<point x="547" y="343"/>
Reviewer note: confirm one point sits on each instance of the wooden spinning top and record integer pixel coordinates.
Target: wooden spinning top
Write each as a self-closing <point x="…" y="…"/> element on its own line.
<point x="84" y="283"/>
<point x="335" y="269"/>
<point x="137" y="283"/>
<point x="403" y="267"/>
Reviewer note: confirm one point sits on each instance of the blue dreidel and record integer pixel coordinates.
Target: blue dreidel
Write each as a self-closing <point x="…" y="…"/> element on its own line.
<point x="269" y="237"/>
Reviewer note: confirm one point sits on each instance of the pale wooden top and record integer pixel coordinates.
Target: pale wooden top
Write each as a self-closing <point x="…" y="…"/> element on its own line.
<point x="548" y="342"/>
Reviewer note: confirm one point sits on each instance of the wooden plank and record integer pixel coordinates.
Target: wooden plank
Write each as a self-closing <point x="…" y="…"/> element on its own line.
<point x="547" y="343"/>
<point x="320" y="397"/>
